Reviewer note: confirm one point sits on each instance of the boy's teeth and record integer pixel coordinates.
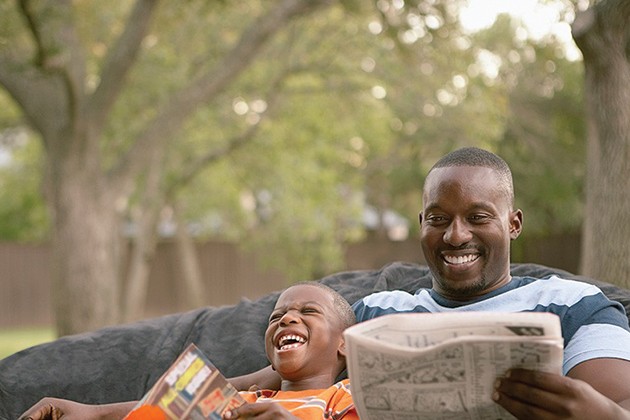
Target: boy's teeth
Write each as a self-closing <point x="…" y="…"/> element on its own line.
<point x="289" y="346"/>
<point x="295" y="340"/>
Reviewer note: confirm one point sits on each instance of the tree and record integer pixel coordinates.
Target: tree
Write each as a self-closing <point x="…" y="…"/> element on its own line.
<point x="48" y="75"/>
<point x="166" y="111"/>
<point x="601" y="33"/>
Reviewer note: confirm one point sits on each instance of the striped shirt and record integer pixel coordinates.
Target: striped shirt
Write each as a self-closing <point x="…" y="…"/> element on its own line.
<point x="592" y="325"/>
<point x="332" y="403"/>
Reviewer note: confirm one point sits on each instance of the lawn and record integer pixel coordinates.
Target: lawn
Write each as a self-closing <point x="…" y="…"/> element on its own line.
<point x="13" y="340"/>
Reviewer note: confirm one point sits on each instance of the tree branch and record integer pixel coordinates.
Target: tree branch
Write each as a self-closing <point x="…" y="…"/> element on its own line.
<point x="233" y="144"/>
<point x="29" y="16"/>
<point x="58" y="70"/>
<point x="599" y="27"/>
<point x="118" y="62"/>
<point x="172" y="115"/>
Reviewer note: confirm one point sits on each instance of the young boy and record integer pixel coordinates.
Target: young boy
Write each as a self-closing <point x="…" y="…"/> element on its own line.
<point x="305" y="346"/>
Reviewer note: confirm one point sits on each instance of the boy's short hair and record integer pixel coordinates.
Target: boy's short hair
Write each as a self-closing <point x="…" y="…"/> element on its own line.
<point x="343" y="310"/>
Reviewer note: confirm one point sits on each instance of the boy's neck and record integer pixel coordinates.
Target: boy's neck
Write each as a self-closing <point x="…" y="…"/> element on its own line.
<point x="323" y="381"/>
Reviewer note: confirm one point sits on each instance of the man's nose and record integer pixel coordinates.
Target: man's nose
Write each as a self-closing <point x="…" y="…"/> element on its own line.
<point x="457" y="233"/>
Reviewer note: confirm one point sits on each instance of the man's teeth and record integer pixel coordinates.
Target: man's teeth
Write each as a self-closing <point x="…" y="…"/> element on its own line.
<point x="290" y="341"/>
<point x="451" y="259"/>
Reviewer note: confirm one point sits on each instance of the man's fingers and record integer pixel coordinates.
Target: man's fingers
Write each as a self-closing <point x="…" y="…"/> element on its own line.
<point x="526" y="399"/>
<point x="44" y="412"/>
<point x="520" y="409"/>
<point x="551" y="382"/>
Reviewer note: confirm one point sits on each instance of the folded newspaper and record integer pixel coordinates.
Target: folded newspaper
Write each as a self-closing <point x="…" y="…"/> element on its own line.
<point x="443" y="366"/>
<point x="192" y="388"/>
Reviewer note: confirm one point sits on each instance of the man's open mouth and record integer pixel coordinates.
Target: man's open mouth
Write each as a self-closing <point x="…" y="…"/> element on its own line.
<point x="460" y="259"/>
<point x="290" y="341"/>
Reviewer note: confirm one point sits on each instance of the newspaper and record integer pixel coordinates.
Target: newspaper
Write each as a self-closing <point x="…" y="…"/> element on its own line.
<point x="192" y="388"/>
<point x="443" y="366"/>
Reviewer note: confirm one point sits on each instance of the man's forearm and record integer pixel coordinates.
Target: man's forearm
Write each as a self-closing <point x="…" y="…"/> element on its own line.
<point x="265" y="378"/>
<point x="115" y="411"/>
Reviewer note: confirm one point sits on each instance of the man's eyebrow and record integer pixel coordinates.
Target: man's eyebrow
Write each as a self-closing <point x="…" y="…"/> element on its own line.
<point x="431" y="208"/>
<point x="474" y="206"/>
<point x="482" y="205"/>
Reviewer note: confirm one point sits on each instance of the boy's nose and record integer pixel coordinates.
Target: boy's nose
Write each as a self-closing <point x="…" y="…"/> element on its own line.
<point x="289" y="318"/>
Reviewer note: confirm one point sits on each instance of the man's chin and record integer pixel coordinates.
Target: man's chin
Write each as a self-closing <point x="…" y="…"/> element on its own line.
<point x="462" y="289"/>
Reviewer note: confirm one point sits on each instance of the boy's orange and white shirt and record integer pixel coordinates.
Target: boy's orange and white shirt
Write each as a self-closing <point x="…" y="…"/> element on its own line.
<point x="334" y="402"/>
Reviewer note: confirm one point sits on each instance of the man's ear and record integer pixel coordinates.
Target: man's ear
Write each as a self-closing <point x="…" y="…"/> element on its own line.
<point x="516" y="223"/>
<point x="420" y="218"/>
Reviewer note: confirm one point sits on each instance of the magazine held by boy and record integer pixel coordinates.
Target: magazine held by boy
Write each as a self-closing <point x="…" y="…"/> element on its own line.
<point x="192" y="388"/>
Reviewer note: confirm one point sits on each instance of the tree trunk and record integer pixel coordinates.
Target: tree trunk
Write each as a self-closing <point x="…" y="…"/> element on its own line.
<point x="143" y="247"/>
<point x="601" y="34"/>
<point x="192" y="280"/>
<point x="84" y="197"/>
<point x="86" y="253"/>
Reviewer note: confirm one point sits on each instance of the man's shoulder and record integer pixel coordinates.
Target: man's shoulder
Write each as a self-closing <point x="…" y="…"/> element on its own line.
<point x="391" y="295"/>
<point x="554" y="290"/>
<point x="555" y="282"/>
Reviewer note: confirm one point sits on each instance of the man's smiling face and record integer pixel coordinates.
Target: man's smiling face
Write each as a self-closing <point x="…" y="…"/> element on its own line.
<point x="467" y="224"/>
<point x="303" y="339"/>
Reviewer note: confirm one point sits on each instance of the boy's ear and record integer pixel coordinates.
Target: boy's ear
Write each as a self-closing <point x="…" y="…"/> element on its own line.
<point x="341" y="350"/>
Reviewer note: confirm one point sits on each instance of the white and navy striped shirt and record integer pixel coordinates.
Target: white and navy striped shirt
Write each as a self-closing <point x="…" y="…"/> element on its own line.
<point x="592" y="325"/>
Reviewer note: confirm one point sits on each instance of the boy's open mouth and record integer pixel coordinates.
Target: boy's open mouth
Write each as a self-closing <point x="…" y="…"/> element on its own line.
<point x="290" y="341"/>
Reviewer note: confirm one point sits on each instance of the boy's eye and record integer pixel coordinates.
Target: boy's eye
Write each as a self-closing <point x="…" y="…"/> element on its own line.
<point x="275" y="317"/>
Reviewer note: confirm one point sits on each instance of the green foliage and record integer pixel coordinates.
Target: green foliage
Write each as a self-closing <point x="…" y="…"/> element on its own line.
<point x="352" y="106"/>
<point x="23" y="214"/>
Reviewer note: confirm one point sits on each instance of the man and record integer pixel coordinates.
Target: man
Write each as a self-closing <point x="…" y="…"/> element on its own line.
<point x="305" y="346"/>
<point x="467" y="223"/>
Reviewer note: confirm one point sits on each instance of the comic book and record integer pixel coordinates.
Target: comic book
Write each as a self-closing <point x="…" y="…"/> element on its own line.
<point x="192" y="388"/>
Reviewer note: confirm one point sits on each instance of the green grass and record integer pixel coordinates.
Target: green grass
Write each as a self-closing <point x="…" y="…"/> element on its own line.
<point x="13" y="340"/>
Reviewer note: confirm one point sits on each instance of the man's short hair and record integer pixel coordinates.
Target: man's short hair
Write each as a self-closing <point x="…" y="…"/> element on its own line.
<point x="474" y="156"/>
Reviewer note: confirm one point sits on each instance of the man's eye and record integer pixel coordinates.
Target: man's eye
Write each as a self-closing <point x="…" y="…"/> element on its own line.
<point x="478" y="217"/>
<point x="309" y="310"/>
<point x="436" y="219"/>
<point x="274" y="318"/>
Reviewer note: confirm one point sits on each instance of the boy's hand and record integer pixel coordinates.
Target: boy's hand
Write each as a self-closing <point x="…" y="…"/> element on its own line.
<point x="529" y="394"/>
<point x="259" y="411"/>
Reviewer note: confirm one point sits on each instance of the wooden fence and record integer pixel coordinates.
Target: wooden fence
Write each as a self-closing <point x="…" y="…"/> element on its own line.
<point x="229" y="274"/>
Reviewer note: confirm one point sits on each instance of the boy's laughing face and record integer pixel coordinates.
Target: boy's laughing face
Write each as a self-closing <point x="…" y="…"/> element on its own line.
<point x="304" y="337"/>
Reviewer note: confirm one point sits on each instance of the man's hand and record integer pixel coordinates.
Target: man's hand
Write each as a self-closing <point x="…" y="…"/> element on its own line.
<point x="56" y="409"/>
<point x="259" y="411"/>
<point x="529" y="394"/>
<point x="59" y="409"/>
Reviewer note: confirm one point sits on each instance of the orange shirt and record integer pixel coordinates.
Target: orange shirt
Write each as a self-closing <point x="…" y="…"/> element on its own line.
<point x="313" y="404"/>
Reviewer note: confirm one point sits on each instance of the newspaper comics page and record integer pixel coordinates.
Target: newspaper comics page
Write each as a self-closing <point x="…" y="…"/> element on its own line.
<point x="193" y="389"/>
<point x="443" y="366"/>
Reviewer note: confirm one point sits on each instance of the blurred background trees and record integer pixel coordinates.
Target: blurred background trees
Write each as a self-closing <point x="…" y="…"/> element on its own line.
<point x="291" y="127"/>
